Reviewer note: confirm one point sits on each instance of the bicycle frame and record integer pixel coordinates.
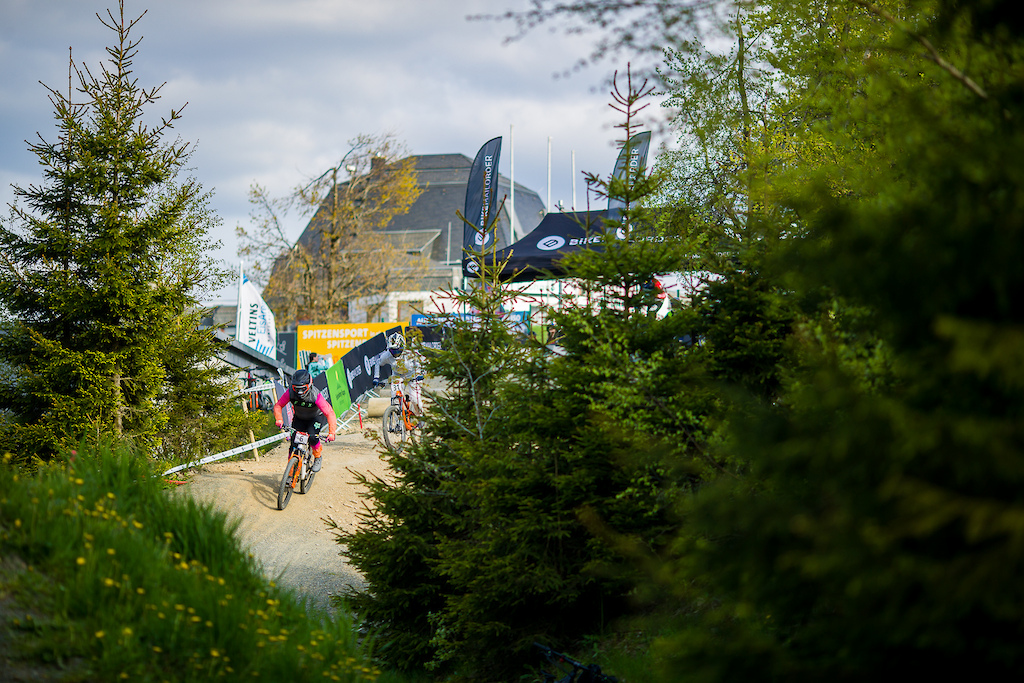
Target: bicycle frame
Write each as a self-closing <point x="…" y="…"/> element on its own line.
<point x="298" y="472"/>
<point x="302" y="450"/>
<point x="399" y="398"/>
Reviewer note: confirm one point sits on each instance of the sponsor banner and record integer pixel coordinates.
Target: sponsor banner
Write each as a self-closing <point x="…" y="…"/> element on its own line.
<point x="335" y="340"/>
<point x="288" y="411"/>
<point x="632" y="162"/>
<point x="286" y="348"/>
<point x="357" y="365"/>
<point x="431" y="334"/>
<point x="516" y="320"/>
<point x="337" y="388"/>
<point x="481" y="196"/>
<point x="254" y="323"/>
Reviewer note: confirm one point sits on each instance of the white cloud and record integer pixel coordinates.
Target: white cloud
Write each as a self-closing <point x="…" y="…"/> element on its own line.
<point x="277" y="89"/>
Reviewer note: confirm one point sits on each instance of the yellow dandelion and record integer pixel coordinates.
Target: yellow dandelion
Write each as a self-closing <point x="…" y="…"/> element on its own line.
<point x="111" y="551"/>
<point x="168" y="535"/>
<point x="111" y="496"/>
<point x="79" y="481"/>
<point x="126" y="631"/>
<point x="108" y="582"/>
<point x="140" y="590"/>
<point x="209" y="624"/>
<point x="17" y="523"/>
<point x="215" y="653"/>
<point x="160" y="615"/>
<point x="220" y="581"/>
<point x="157" y="649"/>
<point x="196" y="620"/>
<point x="101" y="634"/>
<point x="80" y="498"/>
<point x="80" y="560"/>
<point x="191" y="610"/>
<point x="180" y="608"/>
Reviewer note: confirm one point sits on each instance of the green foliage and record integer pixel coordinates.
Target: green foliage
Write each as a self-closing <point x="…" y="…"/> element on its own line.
<point x="539" y="471"/>
<point x="878" y="530"/>
<point x="103" y="261"/>
<point x="108" y="577"/>
<point x="204" y="413"/>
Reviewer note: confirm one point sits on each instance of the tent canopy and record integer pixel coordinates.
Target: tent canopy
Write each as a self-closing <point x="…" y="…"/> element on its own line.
<point x="539" y="254"/>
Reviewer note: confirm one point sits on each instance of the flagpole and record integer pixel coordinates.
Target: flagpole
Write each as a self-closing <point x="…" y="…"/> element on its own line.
<point x="549" y="174"/>
<point x="573" y="180"/>
<point x="238" y="302"/>
<point x="512" y="181"/>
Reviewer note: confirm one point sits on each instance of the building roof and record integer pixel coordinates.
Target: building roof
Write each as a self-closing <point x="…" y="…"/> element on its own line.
<point x="432" y="227"/>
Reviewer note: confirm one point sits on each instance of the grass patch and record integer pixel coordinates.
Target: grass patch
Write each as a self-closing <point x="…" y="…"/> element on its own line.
<point x="105" y="577"/>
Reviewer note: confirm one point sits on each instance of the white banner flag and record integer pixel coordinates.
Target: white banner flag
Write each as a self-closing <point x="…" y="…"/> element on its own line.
<point x="254" y="325"/>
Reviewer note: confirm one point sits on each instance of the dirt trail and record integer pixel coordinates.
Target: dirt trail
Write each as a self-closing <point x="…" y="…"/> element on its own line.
<point x="294" y="545"/>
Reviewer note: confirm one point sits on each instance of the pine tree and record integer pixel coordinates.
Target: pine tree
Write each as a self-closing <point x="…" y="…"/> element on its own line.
<point x="103" y="263"/>
<point x="879" y="530"/>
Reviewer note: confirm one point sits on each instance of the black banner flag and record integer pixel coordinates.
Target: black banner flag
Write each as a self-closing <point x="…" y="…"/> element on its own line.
<point x="481" y="198"/>
<point x="632" y="160"/>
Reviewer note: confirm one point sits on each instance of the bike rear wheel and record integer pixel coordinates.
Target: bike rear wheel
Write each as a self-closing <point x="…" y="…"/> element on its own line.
<point x="394" y="428"/>
<point x="284" y="494"/>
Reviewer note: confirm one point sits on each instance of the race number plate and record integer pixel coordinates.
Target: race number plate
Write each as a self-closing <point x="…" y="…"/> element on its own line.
<point x="301" y="437"/>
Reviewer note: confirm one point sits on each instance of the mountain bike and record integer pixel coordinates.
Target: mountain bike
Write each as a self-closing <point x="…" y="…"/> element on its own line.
<point x="298" y="473"/>
<point x="399" y="420"/>
<point x="579" y="673"/>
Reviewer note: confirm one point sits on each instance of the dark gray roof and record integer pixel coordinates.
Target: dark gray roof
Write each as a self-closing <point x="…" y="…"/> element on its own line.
<point x="443" y="178"/>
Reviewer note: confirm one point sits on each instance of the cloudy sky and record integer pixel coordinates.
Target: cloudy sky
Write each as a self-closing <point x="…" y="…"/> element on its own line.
<point x="276" y="88"/>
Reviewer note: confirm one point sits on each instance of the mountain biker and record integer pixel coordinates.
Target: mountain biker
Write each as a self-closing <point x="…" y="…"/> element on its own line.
<point x="309" y="407"/>
<point x="396" y="345"/>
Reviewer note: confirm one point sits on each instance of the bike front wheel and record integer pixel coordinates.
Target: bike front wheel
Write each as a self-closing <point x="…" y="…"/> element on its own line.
<point x="394" y="428"/>
<point x="284" y="494"/>
<point x="306" y="484"/>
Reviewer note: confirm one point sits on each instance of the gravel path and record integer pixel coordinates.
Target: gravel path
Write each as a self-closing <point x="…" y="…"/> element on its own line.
<point x="294" y="545"/>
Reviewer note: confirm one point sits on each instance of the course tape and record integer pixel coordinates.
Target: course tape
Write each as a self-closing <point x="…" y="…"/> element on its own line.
<point x="259" y="387"/>
<point x="227" y="454"/>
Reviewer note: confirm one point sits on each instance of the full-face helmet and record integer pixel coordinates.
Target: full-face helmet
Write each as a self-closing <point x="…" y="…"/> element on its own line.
<point x="302" y="385"/>
<point x="396" y="343"/>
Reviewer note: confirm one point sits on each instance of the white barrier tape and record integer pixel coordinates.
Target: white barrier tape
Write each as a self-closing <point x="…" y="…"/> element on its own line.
<point x="227" y="454"/>
<point x="259" y="387"/>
